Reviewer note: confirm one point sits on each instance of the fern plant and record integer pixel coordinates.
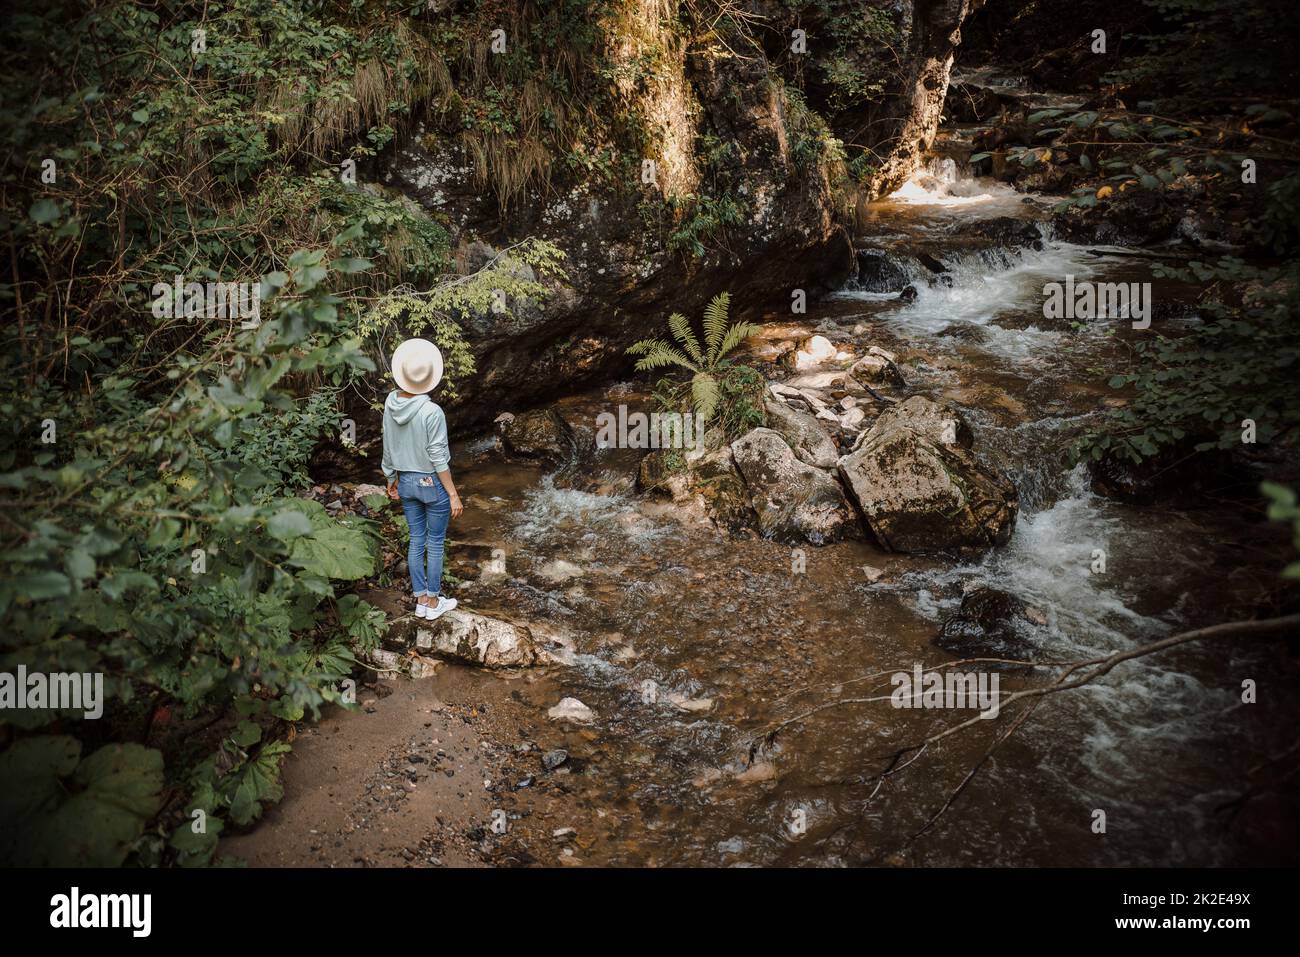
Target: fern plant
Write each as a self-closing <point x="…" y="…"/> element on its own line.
<point x="706" y="362"/>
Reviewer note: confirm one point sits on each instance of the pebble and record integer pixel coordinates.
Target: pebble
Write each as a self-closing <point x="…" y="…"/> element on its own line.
<point x="571" y="709"/>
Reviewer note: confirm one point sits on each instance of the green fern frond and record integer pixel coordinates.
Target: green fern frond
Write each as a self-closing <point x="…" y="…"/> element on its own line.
<point x="682" y="332"/>
<point x="715" y="322"/>
<point x="657" y="354"/>
<point x="735" y="336"/>
<point x="704" y="395"/>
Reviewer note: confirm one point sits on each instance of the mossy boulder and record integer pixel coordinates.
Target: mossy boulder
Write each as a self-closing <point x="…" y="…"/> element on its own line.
<point x="794" y="501"/>
<point x="538" y="434"/>
<point x="921" y="489"/>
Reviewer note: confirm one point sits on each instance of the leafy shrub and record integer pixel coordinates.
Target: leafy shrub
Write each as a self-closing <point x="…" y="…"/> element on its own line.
<point x="702" y="220"/>
<point x="150" y="532"/>
<point x="279" y="443"/>
<point x="1240" y="362"/>
<point x="151" y="551"/>
<point x="1283" y="507"/>
<point x="436" y="313"/>
<point x="740" y="400"/>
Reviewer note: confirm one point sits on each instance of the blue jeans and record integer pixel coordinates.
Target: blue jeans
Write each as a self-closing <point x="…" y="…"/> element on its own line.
<point x="428" y="511"/>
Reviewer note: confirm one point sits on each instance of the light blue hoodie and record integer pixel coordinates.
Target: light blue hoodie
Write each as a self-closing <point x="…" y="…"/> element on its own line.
<point x="415" y="435"/>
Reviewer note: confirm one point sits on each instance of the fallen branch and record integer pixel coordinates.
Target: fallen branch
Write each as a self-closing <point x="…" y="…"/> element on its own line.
<point x="1097" y="668"/>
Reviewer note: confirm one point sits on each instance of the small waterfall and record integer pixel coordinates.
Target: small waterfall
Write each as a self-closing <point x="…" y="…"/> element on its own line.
<point x="941" y="182"/>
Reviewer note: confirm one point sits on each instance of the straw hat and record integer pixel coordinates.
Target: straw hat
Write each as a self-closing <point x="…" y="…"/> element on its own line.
<point x="417" y="366"/>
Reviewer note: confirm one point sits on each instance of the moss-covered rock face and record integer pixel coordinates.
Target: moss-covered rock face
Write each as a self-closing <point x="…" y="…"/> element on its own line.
<point x="655" y="472"/>
<point x="921" y="490"/>
<point x="803" y="433"/>
<point x="668" y="162"/>
<point x="707" y="485"/>
<point x="726" y="498"/>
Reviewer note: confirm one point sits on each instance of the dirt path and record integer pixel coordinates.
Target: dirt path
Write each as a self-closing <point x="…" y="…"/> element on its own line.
<point x="412" y="779"/>
<point x="417" y="776"/>
<point x="399" y="783"/>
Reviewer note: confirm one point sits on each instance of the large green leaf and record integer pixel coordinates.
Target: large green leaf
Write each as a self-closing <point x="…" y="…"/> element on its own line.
<point x="255" y="784"/>
<point x="195" y="848"/>
<point x="335" y="548"/>
<point x="61" y="813"/>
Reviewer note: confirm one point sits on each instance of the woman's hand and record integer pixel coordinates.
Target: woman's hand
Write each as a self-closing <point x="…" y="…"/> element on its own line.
<point x="392" y="490"/>
<point x="456" y="507"/>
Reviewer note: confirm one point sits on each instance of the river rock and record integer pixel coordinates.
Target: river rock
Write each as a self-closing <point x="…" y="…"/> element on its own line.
<point x="795" y="502"/>
<point x="479" y="640"/>
<point x="386" y="660"/>
<point x="878" y="272"/>
<point x="726" y="496"/>
<point x="988" y="625"/>
<point x="940" y="424"/>
<point x="560" y="571"/>
<point x="1007" y="231"/>
<point x="693" y="705"/>
<point x="813" y="352"/>
<point x="757" y="773"/>
<point x="538" y="434"/>
<point x="803" y="433"/>
<point x="1133" y="217"/>
<point x="708" y="486"/>
<point x="808" y="400"/>
<point x="810" y="383"/>
<point x="423" y="667"/>
<point x="657" y="472"/>
<point x="877" y="367"/>
<point x="920" y="488"/>
<point x="571" y="709"/>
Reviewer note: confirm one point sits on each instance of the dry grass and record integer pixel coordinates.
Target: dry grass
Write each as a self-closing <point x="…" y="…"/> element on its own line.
<point x="511" y="164"/>
<point x="547" y="123"/>
<point x="319" y="124"/>
<point x="552" y="124"/>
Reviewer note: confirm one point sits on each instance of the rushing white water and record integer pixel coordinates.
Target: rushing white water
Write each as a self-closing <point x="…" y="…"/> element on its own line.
<point x="940" y="183"/>
<point x="1048" y="563"/>
<point x="986" y="289"/>
<point x="554" y="514"/>
<point x="992" y="287"/>
<point x="1119" y="731"/>
<point x="1138" y="718"/>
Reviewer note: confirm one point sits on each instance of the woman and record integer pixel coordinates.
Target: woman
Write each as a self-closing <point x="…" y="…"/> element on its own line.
<point x="416" y="463"/>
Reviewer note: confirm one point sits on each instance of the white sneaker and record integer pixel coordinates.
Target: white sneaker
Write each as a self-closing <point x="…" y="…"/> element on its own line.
<point x="437" y="611"/>
<point x="422" y="611"/>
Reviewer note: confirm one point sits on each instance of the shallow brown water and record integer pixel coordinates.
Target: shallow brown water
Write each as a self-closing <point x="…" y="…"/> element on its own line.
<point x="662" y="607"/>
<point x="1158" y="746"/>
